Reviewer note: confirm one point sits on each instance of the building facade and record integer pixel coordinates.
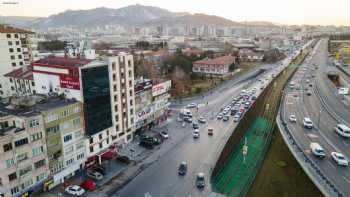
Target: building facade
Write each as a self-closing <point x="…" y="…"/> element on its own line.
<point x="21" y="80"/>
<point x="16" y="50"/>
<point x="216" y="66"/>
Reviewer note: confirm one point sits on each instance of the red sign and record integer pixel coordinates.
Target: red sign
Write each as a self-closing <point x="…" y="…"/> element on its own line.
<point x="70" y="82"/>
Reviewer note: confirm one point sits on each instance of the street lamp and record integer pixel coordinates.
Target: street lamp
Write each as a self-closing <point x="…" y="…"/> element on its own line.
<point x="319" y="119"/>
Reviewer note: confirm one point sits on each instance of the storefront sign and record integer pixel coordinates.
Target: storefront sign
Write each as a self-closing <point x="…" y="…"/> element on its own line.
<point x="70" y="82"/>
<point x="161" y="88"/>
<point x="144" y="113"/>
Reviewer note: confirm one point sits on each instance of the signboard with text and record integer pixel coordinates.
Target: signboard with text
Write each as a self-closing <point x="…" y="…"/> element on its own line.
<point x="161" y="88"/>
<point x="70" y="82"/>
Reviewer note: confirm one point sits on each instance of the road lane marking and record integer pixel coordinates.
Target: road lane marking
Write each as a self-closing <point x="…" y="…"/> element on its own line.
<point x="331" y="164"/>
<point x="345" y="143"/>
<point x="347" y="180"/>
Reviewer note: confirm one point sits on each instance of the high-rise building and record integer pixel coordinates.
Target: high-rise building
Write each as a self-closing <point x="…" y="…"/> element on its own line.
<point x="16" y="50"/>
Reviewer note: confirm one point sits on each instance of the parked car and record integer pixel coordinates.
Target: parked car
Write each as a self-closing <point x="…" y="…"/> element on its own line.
<point x="100" y="169"/>
<point x="219" y="116"/>
<point x="196" y="133"/>
<point x="292" y="118"/>
<point x="339" y="159"/>
<point x="200" y="180"/>
<point x="226" y="118"/>
<point x="74" y="190"/>
<point x="123" y="159"/>
<point x="89" y="185"/>
<point x="164" y="134"/>
<point x="210" y="131"/>
<point x="192" y="105"/>
<point x="236" y="118"/>
<point x="94" y="175"/>
<point x="342" y="130"/>
<point x="308" y="123"/>
<point x="182" y="170"/>
<point x="317" y="150"/>
<point x="202" y="120"/>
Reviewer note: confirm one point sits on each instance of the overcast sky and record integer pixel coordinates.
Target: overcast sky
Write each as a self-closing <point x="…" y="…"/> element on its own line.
<point x="323" y="12"/>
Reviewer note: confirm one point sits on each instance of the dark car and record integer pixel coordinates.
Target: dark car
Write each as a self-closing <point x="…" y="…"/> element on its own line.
<point x="100" y="169"/>
<point x="182" y="168"/>
<point x="146" y="144"/>
<point x="195" y="125"/>
<point x="123" y="159"/>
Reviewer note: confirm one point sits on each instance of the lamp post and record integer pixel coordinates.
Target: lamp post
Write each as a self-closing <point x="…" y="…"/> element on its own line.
<point x="319" y="119"/>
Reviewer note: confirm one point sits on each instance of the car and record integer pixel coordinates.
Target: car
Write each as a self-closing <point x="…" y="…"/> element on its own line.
<point x="195" y="125"/>
<point x="342" y="130"/>
<point x="164" y="134"/>
<point x="310" y="85"/>
<point x="202" y="120"/>
<point x="236" y="118"/>
<point x="200" y="180"/>
<point x="100" y="169"/>
<point x="196" y="133"/>
<point x="307" y="122"/>
<point x="94" y="175"/>
<point x="123" y="159"/>
<point x="226" y="118"/>
<point x="308" y="93"/>
<point x="210" y="131"/>
<point x="192" y="105"/>
<point x="88" y="184"/>
<point x="188" y="119"/>
<point x="74" y="190"/>
<point x="179" y="119"/>
<point x="147" y="145"/>
<point x="292" y="118"/>
<point x="219" y="116"/>
<point x="317" y="150"/>
<point x="182" y="170"/>
<point x="339" y="159"/>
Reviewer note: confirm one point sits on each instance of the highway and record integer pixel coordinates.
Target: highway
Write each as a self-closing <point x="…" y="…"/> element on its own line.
<point x="325" y="109"/>
<point x="160" y="178"/>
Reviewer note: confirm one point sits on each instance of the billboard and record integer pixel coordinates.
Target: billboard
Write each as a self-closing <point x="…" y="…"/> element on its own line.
<point x="70" y="82"/>
<point x="161" y="88"/>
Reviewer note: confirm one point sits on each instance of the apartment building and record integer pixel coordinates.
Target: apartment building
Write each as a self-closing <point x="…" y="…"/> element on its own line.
<point x="16" y="50"/>
<point x="106" y="89"/>
<point x="23" y="153"/>
<point x="21" y="80"/>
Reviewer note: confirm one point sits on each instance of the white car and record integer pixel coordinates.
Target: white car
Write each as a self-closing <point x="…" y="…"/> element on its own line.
<point x="342" y="130"/>
<point x="164" y="134"/>
<point x="219" y="116"/>
<point x="74" y="190"/>
<point x="192" y="105"/>
<point x="94" y="175"/>
<point x="196" y="133"/>
<point x="308" y="123"/>
<point x="202" y="120"/>
<point x="292" y="118"/>
<point x="236" y="118"/>
<point x="339" y="159"/>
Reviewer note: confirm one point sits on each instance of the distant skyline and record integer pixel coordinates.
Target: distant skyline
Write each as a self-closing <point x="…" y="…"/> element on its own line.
<point x="290" y="12"/>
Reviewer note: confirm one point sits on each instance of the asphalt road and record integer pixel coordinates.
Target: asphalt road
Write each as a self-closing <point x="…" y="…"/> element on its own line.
<point x="301" y="105"/>
<point x="161" y="179"/>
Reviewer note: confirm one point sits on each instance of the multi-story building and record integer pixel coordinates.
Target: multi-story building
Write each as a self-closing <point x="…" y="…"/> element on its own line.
<point x="15" y="51"/>
<point x="216" y="66"/>
<point x="106" y="89"/>
<point x="21" y="80"/>
<point x="23" y="153"/>
<point x="151" y="103"/>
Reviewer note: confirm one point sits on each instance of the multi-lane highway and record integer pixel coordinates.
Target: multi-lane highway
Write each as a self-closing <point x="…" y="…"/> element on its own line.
<point x="314" y="96"/>
<point x="161" y="178"/>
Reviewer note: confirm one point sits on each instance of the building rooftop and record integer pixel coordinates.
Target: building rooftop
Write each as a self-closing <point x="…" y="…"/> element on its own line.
<point x="62" y="61"/>
<point x="25" y="72"/>
<point x="32" y="105"/>
<point x="10" y="29"/>
<point x="223" y="60"/>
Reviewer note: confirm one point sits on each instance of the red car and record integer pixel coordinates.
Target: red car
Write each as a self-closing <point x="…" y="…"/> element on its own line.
<point x="88" y="185"/>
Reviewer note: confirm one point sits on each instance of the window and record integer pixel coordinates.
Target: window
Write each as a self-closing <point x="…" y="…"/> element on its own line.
<point x="130" y="73"/>
<point x="69" y="149"/>
<point x="100" y="136"/>
<point x="131" y="111"/>
<point x="116" y="108"/>
<point x="37" y="151"/>
<point x="27" y="183"/>
<point x="130" y="92"/>
<point x="130" y="83"/>
<point x="76" y="122"/>
<point x="67" y="138"/>
<point x="91" y="149"/>
<point x="78" y="134"/>
<point x="70" y="161"/>
<point x="18" y="49"/>
<point x="36" y="136"/>
<point x="129" y="63"/>
<point x="64" y="113"/>
<point x="22" y="157"/>
<point x="113" y="66"/>
<point x="131" y="120"/>
<point x="80" y="145"/>
<point x="8" y="35"/>
<point x="107" y="132"/>
<point x="21" y="142"/>
<point x="114" y="88"/>
<point x="40" y="177"/>
<point x="12" y="176"/>
<point x="114" y="77"/>
<point x="33" y="123"/>
<point x="115" y="98"/>
<point x="131" y="103"/>
<point x="91" y="140"/>
<point x="40" y="163"/>
<point x="80" y="156"/>
<point x="25" y="170"/>
<point x="10" y="162"/>
<point x="100" y="144"/>
<point x="14" y="190"/>
<point x="12" y="88"/>
<point x="21" y="63"/>
<point x="7" y="147"/>
<point x="19" y="56"/>
<point x="117" y="128"/>
<point x="16" y="35"/>
<point x="12" y="57"/>
<point x="13" y="64"/>
<point x="11" y="50"/>
<point x="33" y="84"/>
<point x="17" y="42"/>
<point x="107" y="141"/>
<point x="9" y="43"/>
<point x="76" y="109"/>
<point x="51" y="117"/>
<point x="53" y="129"/>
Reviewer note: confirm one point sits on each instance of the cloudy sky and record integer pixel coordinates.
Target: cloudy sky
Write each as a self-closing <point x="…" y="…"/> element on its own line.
<point x="323" y="12"/>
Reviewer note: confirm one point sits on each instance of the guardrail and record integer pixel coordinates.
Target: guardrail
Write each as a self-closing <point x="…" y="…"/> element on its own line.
<point x="315" y="173"/>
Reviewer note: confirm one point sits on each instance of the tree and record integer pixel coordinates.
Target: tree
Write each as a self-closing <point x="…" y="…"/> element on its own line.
<point x="102" y="46"/>
<point x="53" y="45"/>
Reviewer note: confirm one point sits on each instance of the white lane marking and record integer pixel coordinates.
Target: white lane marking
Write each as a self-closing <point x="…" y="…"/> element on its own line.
<point x="331" y="164"/>
<point x="347" y="180"/>
<point x="148" y="194"/>
<point x="345" y="143"/>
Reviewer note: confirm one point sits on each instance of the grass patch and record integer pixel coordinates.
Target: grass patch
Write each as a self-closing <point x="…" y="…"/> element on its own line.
<point x="281" y="175"/>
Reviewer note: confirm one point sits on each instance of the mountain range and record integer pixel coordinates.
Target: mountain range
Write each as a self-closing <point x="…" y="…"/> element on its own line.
<point x="133" y="15"/>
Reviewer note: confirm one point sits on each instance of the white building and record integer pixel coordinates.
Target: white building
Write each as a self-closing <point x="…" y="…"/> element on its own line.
<point x="15" y="51"/>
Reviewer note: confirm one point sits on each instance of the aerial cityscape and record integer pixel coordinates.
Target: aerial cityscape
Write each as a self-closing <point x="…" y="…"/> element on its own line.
<point x="174" y="98"/>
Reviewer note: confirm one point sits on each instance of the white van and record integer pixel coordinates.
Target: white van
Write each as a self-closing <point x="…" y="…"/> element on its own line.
<point x="317" y="150"/>
<point x="342" y="130"/>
